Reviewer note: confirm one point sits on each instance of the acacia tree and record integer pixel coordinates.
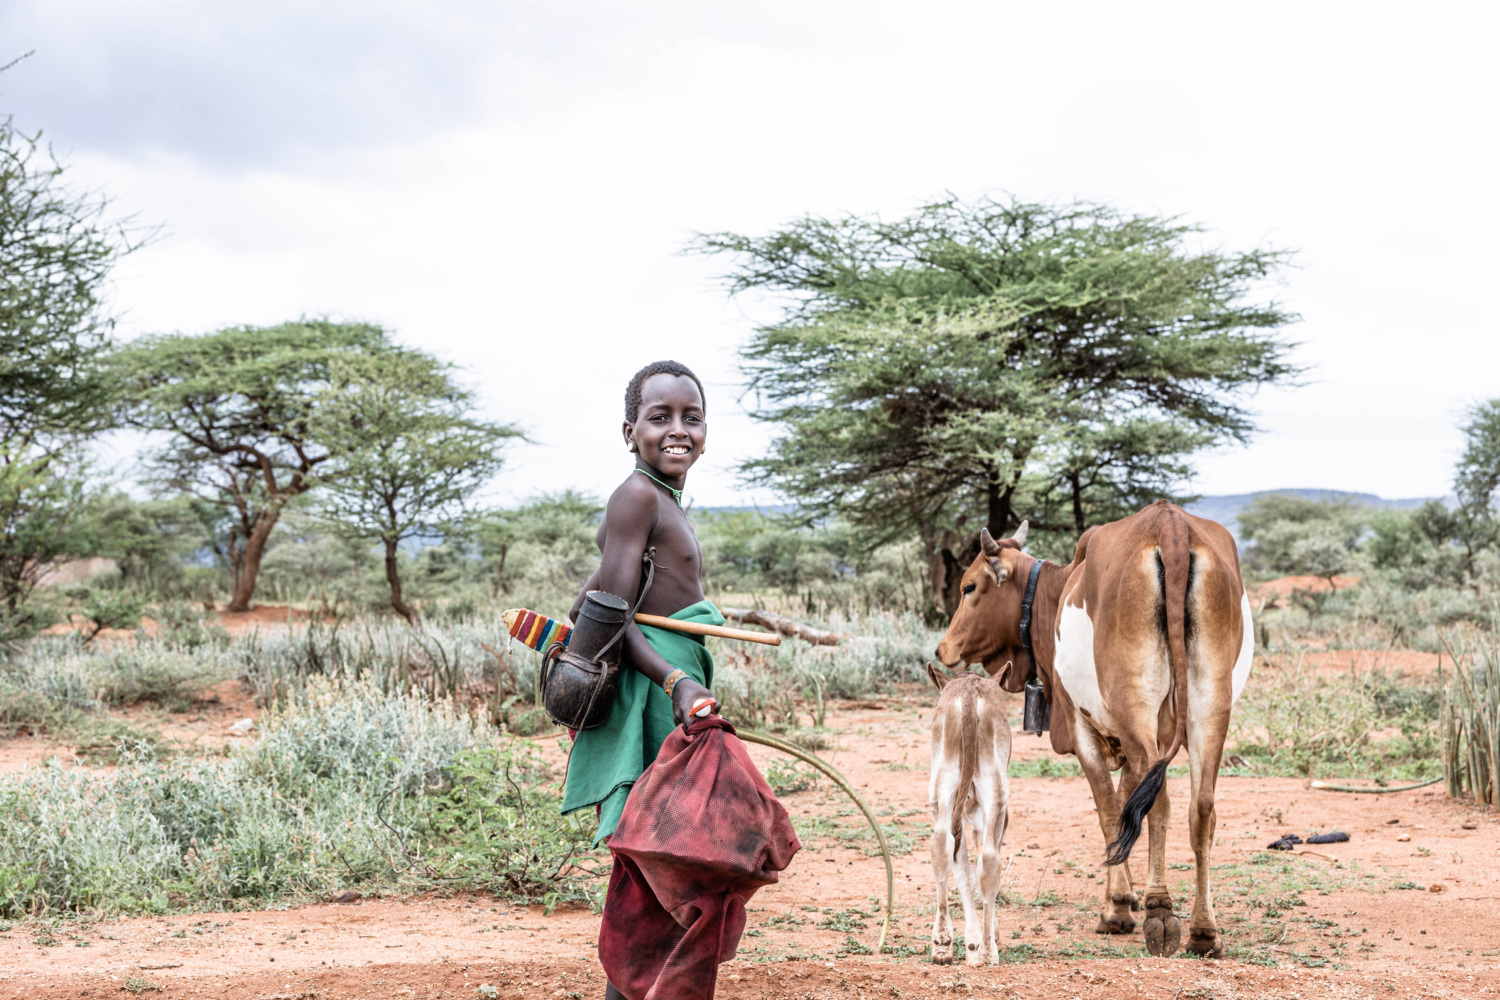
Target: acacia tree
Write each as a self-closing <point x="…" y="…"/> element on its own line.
<point x="237" y="408"/>
<point x="998" y="359"/>
<point x="56" y="251"/>
<point x="407" y="455"/>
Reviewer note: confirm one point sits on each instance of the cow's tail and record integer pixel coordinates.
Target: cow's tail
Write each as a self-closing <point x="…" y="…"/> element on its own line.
<point x="968" y="763"/>
<point x="1174" y="566"/>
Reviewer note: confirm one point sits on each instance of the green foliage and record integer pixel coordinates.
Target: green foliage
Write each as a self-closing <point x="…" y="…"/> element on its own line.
<point x="43" y="500"/>
<point x="1292" y="534"/>
<point x="348" y="785"/>
<point x="405" y="455"/>
<point x="998" y="358"/>
<point x="1471" y="722"/>
<point x="543" y="550"/>
<point x="152" y="541"/>
<point x="1296" y="720"/>
<point x="56" y="252"/>
<point x="1416" y="546"/>
<point x="499" y="827"/>
<point x="787" y="775"/>
<point x="238" y="409"/>
<point x="111" y="609"/>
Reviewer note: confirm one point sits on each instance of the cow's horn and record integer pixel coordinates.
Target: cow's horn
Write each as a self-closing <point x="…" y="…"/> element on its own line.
<point x="986" y="542"/>
<point x="1020" y="535"/>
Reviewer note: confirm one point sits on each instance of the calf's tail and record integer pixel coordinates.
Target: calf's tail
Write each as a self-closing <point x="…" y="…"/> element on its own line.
<point x="968" y="764"/>
<point x="1174" y="561"/>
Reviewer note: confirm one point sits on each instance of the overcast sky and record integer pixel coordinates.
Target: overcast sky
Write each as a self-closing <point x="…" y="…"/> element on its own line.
<point x="510" y="185"/>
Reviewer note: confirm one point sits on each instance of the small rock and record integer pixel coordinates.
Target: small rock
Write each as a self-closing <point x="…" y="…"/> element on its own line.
<point x="1404" y="837"/>
<point x="1470" y="824"/>
<point x="242" y="728"/>
<point x="1392" y="822"/>
<point x="1434" y="887"/>
<point x="347" y="896"/>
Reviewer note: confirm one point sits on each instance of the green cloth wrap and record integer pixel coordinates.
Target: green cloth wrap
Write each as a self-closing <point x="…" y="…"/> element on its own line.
<point x="607" y="760"/>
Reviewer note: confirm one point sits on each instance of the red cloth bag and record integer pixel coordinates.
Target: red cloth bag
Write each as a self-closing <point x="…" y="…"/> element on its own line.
<point x="700" y="833"/>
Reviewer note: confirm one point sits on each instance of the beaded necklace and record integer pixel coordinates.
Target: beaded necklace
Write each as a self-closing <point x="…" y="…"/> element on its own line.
<point x="676" y="494"/>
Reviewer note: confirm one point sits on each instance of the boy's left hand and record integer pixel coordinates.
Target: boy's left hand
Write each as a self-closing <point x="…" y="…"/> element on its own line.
<point x="684" y="695"/>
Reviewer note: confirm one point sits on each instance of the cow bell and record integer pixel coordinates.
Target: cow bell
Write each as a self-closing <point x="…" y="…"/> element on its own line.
<point x="1038" y="715"/>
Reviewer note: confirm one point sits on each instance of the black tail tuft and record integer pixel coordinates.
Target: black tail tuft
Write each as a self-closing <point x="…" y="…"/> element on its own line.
<point x="1136" y="807"/>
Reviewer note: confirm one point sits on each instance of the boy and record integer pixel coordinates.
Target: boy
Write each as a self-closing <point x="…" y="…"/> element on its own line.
<point x="663" y="673"/>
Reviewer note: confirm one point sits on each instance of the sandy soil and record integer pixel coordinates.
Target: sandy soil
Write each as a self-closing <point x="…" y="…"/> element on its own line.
<point x="1283" y="587"/>
<point x="260" y="617"/>
<point x="1400" y="910"/>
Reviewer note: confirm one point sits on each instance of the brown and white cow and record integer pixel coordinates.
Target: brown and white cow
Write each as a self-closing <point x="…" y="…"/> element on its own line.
<point x="968" y="787"/>
<point x="1142" y="643"/>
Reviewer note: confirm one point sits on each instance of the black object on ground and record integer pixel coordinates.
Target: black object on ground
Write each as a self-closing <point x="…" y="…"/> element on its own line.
<point x="1286" y="843"/>
<point x="1336" y="837"/>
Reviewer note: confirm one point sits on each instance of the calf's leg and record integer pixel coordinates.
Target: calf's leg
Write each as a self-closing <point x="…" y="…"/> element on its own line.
<point x="966" y="878"/>
<point x="942" y="859"/>
<point x="990" y="872"/>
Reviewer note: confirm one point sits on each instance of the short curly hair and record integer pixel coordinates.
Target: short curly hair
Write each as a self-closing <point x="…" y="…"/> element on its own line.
<point x="633" y="390"/>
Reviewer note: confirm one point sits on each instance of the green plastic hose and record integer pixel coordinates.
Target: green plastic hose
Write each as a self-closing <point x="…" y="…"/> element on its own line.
<point x="1374" y="789"/>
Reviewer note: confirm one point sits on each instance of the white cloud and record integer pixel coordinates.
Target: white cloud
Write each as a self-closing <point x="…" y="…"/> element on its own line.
<point x="511" y="185"/>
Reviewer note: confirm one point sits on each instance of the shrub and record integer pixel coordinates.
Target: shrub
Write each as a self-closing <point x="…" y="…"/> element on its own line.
<point x="1471" y="723"/>
<point x="349" y="784"/>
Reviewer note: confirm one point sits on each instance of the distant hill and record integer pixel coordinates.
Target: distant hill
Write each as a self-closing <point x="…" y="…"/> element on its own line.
<point x="1226" y="509"/>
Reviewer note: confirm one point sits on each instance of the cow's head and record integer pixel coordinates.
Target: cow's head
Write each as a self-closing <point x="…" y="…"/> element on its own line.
<point x="986" y="628"/>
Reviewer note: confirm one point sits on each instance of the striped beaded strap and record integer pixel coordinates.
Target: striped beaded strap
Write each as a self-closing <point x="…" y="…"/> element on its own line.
<point x="534" y="630"/>
<point x="670" y="681"/>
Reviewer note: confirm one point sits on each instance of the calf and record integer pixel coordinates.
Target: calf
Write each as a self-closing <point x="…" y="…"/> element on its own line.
<point x="970" y="755"/>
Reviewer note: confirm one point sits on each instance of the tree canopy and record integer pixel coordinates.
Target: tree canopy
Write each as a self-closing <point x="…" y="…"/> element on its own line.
<point x="56" y="252"/>
<point x="236" y="409"/>
<point x="406" y="456"/>
<point x="999" y="359"/>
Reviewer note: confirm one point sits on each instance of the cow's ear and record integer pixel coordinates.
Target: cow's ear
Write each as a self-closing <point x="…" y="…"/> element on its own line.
<point x="1004" y="672"/>
<point x="938" y="677"/>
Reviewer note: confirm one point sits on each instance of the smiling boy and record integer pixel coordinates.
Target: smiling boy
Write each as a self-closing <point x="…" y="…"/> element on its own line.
<point x="665" y="673"/>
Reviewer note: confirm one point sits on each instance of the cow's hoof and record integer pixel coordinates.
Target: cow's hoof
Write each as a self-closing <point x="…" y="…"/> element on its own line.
<point x="972" y="956"/>
<point x="1162" y="929"/>
<point x="1115" y="924"/>
<point x="1205" y="941"/>
<point x="941" y="955"/>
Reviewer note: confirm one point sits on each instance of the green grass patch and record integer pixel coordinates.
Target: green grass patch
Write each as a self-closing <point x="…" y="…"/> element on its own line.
<point x="348" y="787"/>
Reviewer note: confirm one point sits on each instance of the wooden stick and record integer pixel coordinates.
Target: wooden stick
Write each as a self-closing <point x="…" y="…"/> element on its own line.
<point x="782" y="624"/>
<point x="694" y="628"/>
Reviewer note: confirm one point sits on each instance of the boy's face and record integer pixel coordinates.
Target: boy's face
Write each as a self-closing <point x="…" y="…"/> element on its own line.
<point x="670" y="430"/>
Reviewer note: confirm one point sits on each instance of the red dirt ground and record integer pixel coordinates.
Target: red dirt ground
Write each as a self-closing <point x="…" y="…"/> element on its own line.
<point x="1286" y="585"/>
<point x="1379" y="916"/>
<point x="260" y="617"/>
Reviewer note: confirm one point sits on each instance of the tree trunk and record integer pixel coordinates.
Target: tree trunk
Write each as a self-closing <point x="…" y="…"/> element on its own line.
<point x="249" y="567"/>
<point x="998" y="516"/>
<point x="393" y="578"/>
<point x="1077" y="503"/>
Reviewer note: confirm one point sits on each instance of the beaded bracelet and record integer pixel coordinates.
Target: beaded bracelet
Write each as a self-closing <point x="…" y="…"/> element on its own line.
<point x="670" y="681"/>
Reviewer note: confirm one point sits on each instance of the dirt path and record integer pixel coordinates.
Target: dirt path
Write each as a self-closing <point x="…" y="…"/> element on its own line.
<point x="1403" y="909"/>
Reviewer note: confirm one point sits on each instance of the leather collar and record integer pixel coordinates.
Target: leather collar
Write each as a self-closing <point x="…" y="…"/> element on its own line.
<point x="1026" y="602"/>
